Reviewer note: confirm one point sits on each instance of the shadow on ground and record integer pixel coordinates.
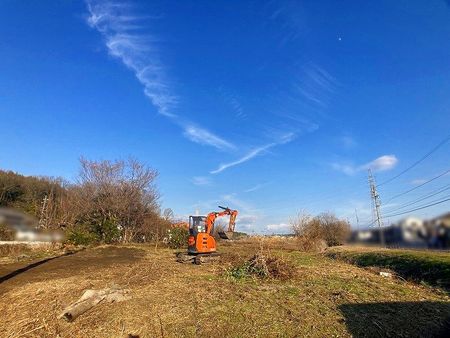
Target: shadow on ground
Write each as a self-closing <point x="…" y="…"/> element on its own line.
<point x="30" y="266"/>
<point x="80" y="263"/>
<point x="398" y="319"/>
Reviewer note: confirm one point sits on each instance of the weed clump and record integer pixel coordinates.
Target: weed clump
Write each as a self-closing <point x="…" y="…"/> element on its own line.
<point x="263" y="267"/>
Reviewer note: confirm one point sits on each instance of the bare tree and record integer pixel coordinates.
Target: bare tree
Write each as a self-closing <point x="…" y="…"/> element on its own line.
<point x="324" y="229"/>
<point x="114" y="197"/>
<point x="300" y="223"/>
<point x="335" y="231"/>
<point x="168" y="214"/>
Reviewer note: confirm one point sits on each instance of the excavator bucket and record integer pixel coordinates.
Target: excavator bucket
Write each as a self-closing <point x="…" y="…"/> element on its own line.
<point x="226" y="234"/>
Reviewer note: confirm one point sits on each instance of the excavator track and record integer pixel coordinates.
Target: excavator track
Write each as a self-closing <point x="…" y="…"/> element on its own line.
<point x="198" y="259"/>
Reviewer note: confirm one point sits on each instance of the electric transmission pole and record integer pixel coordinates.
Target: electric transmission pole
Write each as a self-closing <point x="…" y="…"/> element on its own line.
<point x="377" y="205"/>
<point x="43" y="218"/>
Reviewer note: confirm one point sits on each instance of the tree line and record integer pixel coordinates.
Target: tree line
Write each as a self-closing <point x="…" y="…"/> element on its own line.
<point x="110" y="201"/>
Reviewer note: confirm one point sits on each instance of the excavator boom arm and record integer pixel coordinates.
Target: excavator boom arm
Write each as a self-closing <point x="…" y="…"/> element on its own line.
<point x="211" y="218"/>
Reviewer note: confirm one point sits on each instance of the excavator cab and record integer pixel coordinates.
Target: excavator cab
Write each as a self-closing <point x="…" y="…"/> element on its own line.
<point x="197" y="224"/>
<point x="200" y="240"/>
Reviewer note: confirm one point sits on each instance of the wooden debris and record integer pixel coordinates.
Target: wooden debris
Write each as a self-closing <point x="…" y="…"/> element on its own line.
<point x="385" y="274"/>
<point x="90" y="298"/>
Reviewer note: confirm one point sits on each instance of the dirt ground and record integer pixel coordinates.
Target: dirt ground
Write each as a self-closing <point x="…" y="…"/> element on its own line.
<point x="324" y="298"/>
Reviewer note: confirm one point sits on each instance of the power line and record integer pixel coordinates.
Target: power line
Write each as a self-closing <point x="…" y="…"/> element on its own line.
<point x="440" y="144"/>
<point x="417" y="187"/>
<point x="368" y="224"/>
<point x="421" y="207"/>
<point x="433" y="193"/>
<point x="321" y="199"/>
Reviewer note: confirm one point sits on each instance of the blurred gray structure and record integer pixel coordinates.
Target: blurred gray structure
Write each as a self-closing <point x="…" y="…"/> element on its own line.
<point x="409" y="232"/>
<point x="25" y="227"/>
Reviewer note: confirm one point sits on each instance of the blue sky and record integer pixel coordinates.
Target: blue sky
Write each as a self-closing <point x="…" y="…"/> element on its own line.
<point x="269" y="107"/>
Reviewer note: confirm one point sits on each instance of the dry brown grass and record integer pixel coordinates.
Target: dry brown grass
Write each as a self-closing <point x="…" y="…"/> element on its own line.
<point x="169" y="299"/>
<point x="261" y="264"/>
<point x="14" y="249"/>
<point x="13" y="253"/>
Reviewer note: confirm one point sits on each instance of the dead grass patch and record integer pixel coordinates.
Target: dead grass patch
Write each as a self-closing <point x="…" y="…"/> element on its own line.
<point x="263" y="266"/>
<point x="13" y="249"/>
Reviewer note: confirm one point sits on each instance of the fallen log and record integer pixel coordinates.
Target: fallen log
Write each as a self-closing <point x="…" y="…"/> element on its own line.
<point x="90" y="298"/>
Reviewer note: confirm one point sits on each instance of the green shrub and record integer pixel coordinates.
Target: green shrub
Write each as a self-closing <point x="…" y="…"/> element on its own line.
<point x="177" y="238"/>
<point x="81" y="237"/>
<point x="106" y="230"/>
<point x="246" y="270"/>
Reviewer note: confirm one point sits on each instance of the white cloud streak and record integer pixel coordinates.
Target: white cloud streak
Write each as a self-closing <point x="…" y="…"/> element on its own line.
<point x="253" y="153"/>
<point x="199" y="135"/>
<point x="286" y="138"/>
<point x="382" y="163"/>
<point x="255" y="188"/>
<point x="122" y="33"/>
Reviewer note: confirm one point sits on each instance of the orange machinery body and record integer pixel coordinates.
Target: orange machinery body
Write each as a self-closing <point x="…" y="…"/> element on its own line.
<point x="200" y="239"/>
<point x="202" y="243"/>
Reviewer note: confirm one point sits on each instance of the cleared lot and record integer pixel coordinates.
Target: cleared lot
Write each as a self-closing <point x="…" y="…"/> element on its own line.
<point x="324" y="297"/>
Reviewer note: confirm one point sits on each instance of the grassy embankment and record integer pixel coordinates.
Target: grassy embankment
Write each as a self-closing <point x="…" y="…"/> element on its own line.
<point x="421" y="266"/>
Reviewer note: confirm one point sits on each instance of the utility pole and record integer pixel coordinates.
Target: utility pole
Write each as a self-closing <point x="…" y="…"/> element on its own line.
<point x="377" y="204"/>
<point x="357" y="219"/>
<point x="43" y="218"/>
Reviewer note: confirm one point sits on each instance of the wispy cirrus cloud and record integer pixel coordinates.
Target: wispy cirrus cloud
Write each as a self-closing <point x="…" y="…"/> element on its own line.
<point x="382" y="163"/>
<point x="315" y="85"/>
<point x="289" y="16"/>
<point x="123" y="35"/>
<point x="233" y="101"/>
<point x="247" y="157"/>
<point x="254" y="153"/>
<point x="201" y="180"/>
<point x="255" y="187"/>
<point x="203" y="136"/>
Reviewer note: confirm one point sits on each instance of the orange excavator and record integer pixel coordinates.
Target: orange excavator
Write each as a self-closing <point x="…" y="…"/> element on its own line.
<point x="201" y="243"/>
